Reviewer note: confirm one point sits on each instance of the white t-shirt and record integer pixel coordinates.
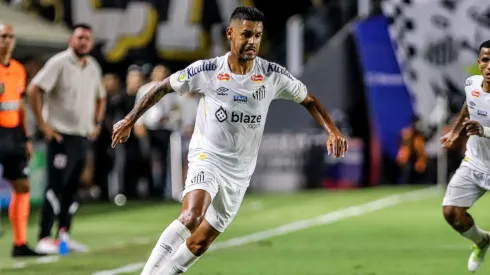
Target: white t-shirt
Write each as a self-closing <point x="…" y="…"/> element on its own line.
<point x="477" y="148"/>
<point x="232" y="111"/>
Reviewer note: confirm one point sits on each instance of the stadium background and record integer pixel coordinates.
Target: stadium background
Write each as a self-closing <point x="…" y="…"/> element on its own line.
<point x="390" y="73"/>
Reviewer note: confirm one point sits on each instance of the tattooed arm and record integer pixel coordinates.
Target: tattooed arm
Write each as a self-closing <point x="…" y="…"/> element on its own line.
<point x="149" y="99"/>
<point x="122" y="129"/>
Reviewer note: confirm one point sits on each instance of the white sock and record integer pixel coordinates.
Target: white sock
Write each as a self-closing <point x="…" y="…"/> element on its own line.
<point x="168" y="243"/>
<point x="476" y="235"/>
<point x="180" y="262"/>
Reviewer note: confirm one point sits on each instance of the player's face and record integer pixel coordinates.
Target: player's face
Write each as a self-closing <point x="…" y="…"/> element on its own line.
<point x="484" y="64"/>
<point x="245" y="37"/>
<point x="7" y="39"/>
<point x="81" y="41"/>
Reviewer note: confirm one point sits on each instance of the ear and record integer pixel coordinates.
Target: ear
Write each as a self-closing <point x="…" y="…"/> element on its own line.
<point x="229" y="32"/>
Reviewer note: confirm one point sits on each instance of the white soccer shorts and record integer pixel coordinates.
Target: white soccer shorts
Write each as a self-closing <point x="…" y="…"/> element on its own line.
<point x="466" y="187"/>
<point x="226" y="196"/>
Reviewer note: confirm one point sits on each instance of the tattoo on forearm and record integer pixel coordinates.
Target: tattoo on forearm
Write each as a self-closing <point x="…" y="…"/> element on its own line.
<point x="151" y="98"/>
<point x="458" y="124"/>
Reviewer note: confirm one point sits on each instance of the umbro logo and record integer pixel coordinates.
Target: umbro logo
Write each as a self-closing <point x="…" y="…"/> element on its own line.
<point x="222" y="91"/>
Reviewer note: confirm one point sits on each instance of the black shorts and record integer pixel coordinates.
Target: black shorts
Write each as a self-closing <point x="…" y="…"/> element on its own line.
<point x="13" y="155"/>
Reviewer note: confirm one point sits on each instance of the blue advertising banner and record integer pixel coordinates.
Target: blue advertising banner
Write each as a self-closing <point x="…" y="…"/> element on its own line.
<point x="387" y="95"/>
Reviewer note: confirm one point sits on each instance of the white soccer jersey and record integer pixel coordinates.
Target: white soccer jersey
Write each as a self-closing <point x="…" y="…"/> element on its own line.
<point x="232" y="111"/>
<point x="478" y="148"/>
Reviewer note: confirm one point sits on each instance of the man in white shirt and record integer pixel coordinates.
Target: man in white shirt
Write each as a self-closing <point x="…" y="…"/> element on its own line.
<point x="236" y="91"/>
<point x="472" y="179"/>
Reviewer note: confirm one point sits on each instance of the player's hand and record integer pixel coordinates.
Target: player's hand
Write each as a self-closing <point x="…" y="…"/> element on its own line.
<point x="337" y="144"/>
<point x="50" y="134"/>
<point x="29" y="150"/>
<point x="473" y="128"/>
<point x="448" y="140"/>
<point x="121" y="131"/>
<point x="95" y="133"/>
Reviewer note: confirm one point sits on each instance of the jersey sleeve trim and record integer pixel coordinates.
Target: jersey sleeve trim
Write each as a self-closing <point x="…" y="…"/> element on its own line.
<point x="175" y="78"/>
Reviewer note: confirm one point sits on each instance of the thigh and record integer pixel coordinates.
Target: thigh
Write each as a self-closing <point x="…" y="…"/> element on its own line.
<point x="463" y="190"/>
<point x="225" y="206"/>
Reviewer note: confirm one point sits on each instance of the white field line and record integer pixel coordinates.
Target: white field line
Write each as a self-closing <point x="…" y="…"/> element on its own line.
<point x="55" y="258"/>
<point x="328" y="218"/>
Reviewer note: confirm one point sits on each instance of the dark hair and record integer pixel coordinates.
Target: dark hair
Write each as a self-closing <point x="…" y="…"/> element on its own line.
<point x="82" y="26"/>
<point x="485" y="44"/>
<point x="247" y="13"/>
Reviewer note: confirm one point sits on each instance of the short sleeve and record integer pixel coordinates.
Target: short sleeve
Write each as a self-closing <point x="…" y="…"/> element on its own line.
<point x="288" y="87"/>
<point x="47" y="77"/>
<point x="192" y="78"/>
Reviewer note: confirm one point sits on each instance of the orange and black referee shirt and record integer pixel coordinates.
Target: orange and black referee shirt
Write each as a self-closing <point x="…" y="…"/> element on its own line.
<point x="12" y="86"/>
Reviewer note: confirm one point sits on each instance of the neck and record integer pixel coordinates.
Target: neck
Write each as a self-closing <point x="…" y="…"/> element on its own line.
<point x="238" y="66"/>
<point x="486" y="87"/>
<point x="5" y="59"/>
<point x="81" y="59"/>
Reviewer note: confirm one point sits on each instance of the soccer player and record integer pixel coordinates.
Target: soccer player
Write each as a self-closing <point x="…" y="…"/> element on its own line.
<point x="472" y="179"/>
<point x="236" y="91"/>
<point x="15" y="145"/>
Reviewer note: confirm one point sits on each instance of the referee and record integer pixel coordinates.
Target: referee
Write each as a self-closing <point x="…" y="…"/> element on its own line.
<point x="74" y="103"/>
<point x="15" y="147"/>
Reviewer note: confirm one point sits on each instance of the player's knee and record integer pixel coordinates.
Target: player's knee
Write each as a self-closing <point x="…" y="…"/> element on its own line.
<point x="21" y="186"/>
<point x="191" y="219"/>
<point x="454" y="215"/>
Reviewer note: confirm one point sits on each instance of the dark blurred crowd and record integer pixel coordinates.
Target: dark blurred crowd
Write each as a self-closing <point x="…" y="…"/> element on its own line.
<point x="140" y="170"/>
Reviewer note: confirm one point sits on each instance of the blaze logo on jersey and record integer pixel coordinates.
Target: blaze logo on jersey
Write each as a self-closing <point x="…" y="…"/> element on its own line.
<point x="242" y="118"/>
<point x="259" y="93"/>
<point x="240" y="98"/>
<point x="257" y="78"/>
<point x="222" y="91"/>
<point x="221" y="114"/>
<point x="468" y="82"/>
<point x="482" y="113"/>
<point x="253" y="121"/>
<point x="475" y="94"/>
<point x="472" y="105"/>
<point x="205" y="66"/>
<point x="223" y="77"/>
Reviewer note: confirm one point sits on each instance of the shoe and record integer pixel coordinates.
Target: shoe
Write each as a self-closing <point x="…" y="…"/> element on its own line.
<point x="47" y="246"/>
<point x="77" y="247"/>
<point x="477" y="256"/>
<point x="25" y="251"/>
<point x="74" y="246"/>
